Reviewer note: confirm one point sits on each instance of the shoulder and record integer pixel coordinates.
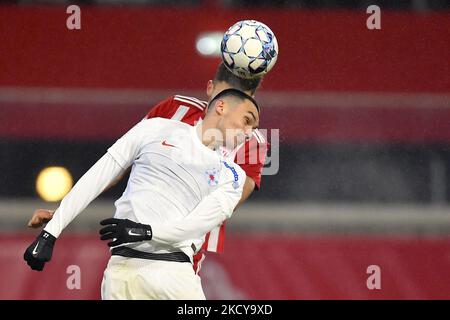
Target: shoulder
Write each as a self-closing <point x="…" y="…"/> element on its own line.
<point x="259" y="137"/>
<point x="162" y="124"/>
<point x="190" y="102"/>
<point x="257" y="141"/>
<point x="155" y="127"/>
<point x="254" y="148"/>
<point x="179" y="107"/>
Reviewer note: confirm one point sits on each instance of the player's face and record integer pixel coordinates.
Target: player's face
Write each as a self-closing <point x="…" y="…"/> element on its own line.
<point x="239" y="120"/>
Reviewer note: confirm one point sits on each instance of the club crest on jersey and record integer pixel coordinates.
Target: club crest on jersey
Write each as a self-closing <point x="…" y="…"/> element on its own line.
<point x="212" y="176"/>
<point x="235" y="175"/>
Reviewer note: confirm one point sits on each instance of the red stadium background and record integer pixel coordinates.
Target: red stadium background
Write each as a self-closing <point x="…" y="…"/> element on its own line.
<point x="335" y="81"/>
<point x="261" y="266"/>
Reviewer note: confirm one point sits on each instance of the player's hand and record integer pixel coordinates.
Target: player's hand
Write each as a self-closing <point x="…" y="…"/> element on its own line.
<point x="40" y="216"/>
<point x="40" y="251"/>
<point x="124" y="231"/>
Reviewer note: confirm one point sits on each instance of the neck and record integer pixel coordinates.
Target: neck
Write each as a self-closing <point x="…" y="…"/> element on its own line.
<point x="205" y="131"/>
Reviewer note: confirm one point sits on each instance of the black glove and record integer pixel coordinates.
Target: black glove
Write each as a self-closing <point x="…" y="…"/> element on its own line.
<point x="40" y="251"/>
<point x="124" y="231"/>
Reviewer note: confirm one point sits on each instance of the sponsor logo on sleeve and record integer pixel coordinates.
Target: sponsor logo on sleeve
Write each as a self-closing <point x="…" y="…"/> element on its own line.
<point x="235" y="175"/>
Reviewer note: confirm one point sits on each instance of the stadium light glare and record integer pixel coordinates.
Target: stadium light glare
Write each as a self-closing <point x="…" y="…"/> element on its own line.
<point x="208" y="44"/>
<point x="53" y="183"/>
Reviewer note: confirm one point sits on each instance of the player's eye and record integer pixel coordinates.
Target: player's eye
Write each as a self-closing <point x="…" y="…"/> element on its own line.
<point x="247" y="120"/>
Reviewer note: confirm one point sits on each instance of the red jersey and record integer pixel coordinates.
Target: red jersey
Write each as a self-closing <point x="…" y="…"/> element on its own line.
<point x="250" y="156"/>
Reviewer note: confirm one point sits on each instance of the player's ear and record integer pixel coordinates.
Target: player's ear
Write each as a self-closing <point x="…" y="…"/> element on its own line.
<point x="209" y="88"/>
<point x="219" y="107"/>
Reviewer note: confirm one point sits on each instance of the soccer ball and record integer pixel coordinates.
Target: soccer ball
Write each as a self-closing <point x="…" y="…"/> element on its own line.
<point x="249" y="49"/>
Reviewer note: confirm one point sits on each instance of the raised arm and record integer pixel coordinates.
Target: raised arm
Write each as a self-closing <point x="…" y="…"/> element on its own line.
<point x="209" y="213"/>
<point x="90" y="185"/>
<point x="118" y="158"/>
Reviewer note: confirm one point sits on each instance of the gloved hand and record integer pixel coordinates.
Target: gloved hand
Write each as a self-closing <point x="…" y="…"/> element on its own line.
<point x="40" y="251"/>
<point x="124" y="231"/>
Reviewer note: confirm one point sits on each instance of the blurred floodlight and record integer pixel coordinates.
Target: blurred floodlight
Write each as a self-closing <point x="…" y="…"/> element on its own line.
<point x="208" y="43"/>
<point x="53" y="183"/>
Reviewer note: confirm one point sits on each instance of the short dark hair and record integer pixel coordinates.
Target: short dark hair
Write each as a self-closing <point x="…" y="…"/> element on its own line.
<point x="233" y="93"/>
<point x="225" y="75"/>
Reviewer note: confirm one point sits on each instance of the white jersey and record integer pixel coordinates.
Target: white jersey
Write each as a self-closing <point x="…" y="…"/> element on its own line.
<point x="180" y="187"/>
<point x="172" y="171"/>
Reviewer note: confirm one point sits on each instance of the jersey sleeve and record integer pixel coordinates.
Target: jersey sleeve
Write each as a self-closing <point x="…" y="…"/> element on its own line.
<point x="119" y="157"/>
<point x="90" y="185"/>
<point x="181" y="108"/>
<point x="209" y="213"/>
<point x="163" y="109"/>
<point x="251" y="158"/>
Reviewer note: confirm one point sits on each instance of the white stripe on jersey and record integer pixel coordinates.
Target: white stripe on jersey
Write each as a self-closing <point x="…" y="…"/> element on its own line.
<point x="180" y="113"/>
<point x="213" y="239"/>
<point x="199" y="263"/>
<point x="259" y="136"/>
<point x="195" y="104"/>
<point x="193" y="99"/>
<point x="256" y="137"/>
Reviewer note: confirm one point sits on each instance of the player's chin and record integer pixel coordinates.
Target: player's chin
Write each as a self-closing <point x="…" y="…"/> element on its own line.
<point x="231" y="143"/>
<point x="234" y="140"/>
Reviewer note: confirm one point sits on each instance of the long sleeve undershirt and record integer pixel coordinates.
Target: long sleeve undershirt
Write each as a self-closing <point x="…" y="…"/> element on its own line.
<point x="90" y="185"/>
